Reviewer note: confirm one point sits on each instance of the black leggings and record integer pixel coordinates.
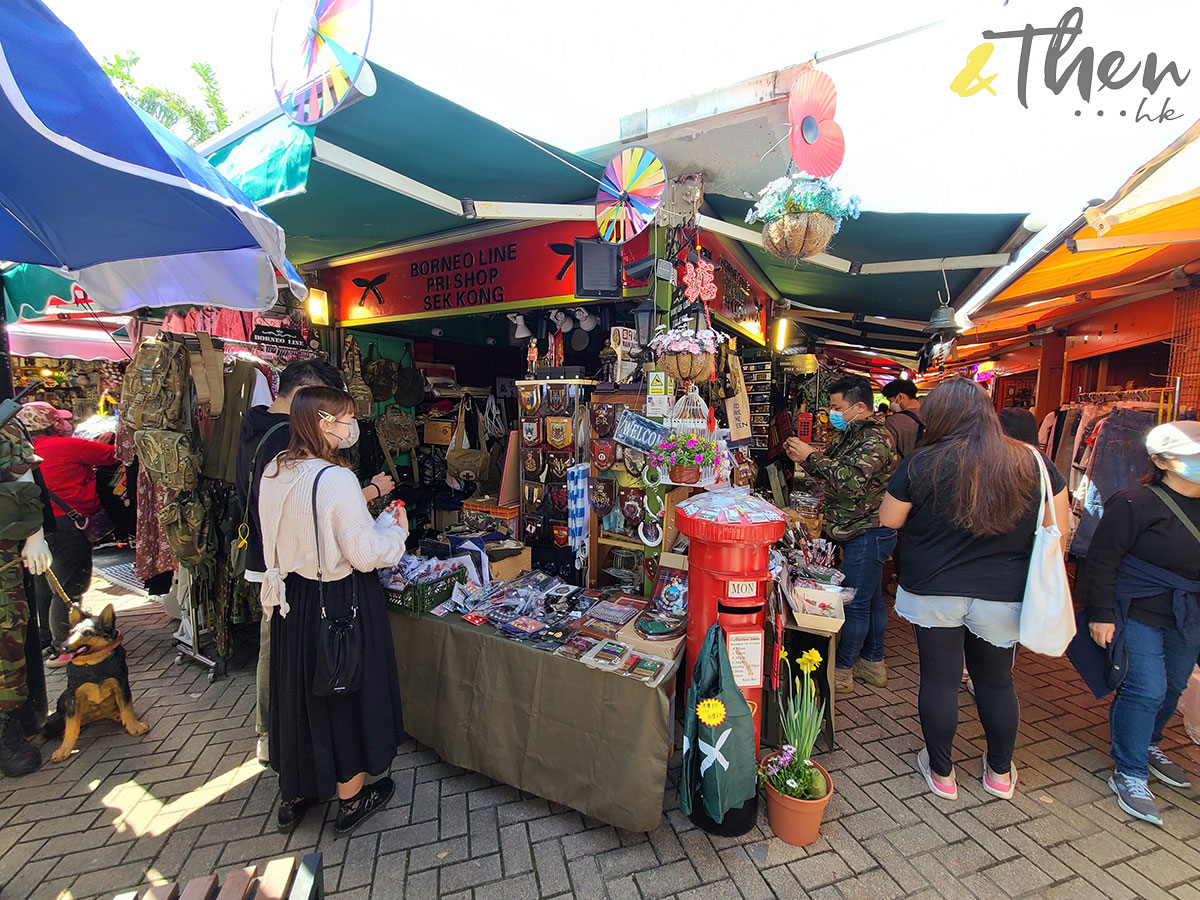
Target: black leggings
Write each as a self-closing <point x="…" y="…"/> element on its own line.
<point x="941" y="652"/>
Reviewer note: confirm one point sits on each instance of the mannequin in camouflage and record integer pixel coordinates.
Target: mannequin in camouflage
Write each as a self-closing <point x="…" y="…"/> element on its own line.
<point x="22" y="543"/>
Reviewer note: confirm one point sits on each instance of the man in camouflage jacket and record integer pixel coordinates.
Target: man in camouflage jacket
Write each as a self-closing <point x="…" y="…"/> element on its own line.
<point x="855" y="471"/>
<point x="19" y="537"/>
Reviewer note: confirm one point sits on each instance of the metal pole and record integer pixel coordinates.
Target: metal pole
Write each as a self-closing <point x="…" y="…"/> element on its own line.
<point x="1175" y="398"/>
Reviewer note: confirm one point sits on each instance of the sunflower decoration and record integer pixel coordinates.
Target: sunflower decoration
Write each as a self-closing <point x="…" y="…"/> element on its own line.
<point x="711" y="712"/>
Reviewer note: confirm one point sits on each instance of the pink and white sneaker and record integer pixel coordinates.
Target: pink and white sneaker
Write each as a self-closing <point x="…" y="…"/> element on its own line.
<point x="997" y="788"/>
<point x="949" y="792"/>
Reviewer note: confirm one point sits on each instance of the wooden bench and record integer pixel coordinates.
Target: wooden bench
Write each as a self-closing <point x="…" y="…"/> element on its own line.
<point x="281" y="879"/>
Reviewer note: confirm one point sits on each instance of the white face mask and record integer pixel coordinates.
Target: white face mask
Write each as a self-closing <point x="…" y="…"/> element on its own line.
<point x="345" y="443"/>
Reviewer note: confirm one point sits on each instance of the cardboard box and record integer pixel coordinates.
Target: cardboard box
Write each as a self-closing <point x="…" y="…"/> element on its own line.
<point x="445" y="518"/>
<point x="511" y="566"/>
<point x="662" y="649"/>
<point x="817" y="624"/>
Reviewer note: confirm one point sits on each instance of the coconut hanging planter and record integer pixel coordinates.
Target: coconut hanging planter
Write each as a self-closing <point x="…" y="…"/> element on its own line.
<point x="798" y="235"/>
<point x="800" y="215"/>
<point x="688" y="355"/>
<point x="687" y="367"/>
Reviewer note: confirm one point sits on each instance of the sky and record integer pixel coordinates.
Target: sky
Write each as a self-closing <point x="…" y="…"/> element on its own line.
<point x="567" y="71"/>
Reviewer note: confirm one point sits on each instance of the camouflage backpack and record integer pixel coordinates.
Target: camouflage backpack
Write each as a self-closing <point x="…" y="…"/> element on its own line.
<point x="155" y="393"/>
<point x="184" y="521"/>
<point x="168" y="457"/>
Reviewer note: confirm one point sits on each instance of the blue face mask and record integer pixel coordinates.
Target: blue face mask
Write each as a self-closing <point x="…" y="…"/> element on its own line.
<point x="1189" y="468"/>
<point x="838" y="421"/>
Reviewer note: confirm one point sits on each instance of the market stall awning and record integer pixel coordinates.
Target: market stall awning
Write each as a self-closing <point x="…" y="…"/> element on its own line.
<point x="879" y="238"/>
<point x="1144" y="240"/>
<point x="400" y="164"/>
<point x="31" y="292"/>
<point x="103" y="339"/>
<point x="89" y="183"/>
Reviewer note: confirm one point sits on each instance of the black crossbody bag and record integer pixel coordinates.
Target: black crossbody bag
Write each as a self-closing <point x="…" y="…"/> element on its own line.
<point x="339" y="664"/>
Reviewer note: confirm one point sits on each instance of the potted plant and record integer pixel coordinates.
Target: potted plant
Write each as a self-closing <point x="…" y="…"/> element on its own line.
<point x="685" y="456"/>
<point x="685" y="353"/>
<point x="800" y="214"/>
<point x="797" y="788"/>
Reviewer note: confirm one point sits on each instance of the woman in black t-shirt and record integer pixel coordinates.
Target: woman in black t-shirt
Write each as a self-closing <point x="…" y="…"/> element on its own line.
<point x="966" y="502"/>
<point x="1143" y="574"/>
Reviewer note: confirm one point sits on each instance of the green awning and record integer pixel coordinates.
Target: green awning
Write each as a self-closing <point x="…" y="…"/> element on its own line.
<point x="883" y="237"/>
<point x="326" y="212"/>
<point x="29" y="290"/>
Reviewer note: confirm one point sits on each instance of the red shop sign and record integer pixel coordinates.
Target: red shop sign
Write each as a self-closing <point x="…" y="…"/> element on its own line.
<point x="523" y="266"/>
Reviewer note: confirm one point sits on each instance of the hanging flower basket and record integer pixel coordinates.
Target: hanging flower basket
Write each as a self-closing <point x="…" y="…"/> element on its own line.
<point x="687" y="459"/>
<point x="801" y="214"/>
<point x="798" y="235"/>
<point x="688" y="367"/>
<point x="686" y="354"/>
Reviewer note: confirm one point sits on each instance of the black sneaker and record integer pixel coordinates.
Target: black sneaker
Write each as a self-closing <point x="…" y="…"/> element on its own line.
<point x="17" y="756"/>
<point x="292" y="813"/>
<point x="371" y="799"/>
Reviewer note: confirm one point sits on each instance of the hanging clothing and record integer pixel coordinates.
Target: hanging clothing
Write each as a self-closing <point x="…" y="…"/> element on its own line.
<point x="1118" y="461"/>
<point x="153" y="554"/>
<point x="221" y="449"/>
<point x="1064" y="440"/>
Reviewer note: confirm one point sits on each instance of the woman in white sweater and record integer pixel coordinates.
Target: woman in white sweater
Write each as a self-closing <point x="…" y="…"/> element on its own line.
<point x="322" y="741"/>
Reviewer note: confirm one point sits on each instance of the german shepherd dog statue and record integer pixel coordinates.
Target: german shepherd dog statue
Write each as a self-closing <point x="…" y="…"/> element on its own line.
<point x="97" y="681"/>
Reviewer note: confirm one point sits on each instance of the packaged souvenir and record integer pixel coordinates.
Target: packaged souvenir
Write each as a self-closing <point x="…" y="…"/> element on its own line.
<point x="576" y="647"/>
<point x="644" y="668"/>
<point x="607" y="655"/>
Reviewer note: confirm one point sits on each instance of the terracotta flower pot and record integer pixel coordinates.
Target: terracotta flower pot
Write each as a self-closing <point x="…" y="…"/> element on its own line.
<point x="797" y="822"/>
<point x="798" y="235"/>
<point x="689" y="367"/>
<point x="684" y="474"/>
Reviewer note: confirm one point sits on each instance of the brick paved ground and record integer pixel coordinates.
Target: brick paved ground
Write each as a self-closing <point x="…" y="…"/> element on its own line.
<point x="188" y="798"/>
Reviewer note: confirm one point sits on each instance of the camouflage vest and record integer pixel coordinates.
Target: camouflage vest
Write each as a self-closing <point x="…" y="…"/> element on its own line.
<point x="168" y="457"/>
<point x="155" y="393"/>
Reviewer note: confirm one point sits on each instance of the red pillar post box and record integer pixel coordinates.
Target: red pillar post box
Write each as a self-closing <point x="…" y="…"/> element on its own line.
<point x="729" y="576"/>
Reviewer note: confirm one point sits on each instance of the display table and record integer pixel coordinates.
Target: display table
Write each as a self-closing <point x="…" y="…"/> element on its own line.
<point x="594" y="741"/>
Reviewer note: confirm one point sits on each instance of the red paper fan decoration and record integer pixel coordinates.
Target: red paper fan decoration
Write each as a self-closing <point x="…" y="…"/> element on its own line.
<point x="816" y="139"/>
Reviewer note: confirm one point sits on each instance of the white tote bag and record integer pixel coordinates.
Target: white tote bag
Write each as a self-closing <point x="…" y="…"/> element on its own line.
<point x="1047" y="616"/>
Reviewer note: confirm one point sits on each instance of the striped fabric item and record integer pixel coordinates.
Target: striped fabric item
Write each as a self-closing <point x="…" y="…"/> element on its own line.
<point x="578" y="509"/>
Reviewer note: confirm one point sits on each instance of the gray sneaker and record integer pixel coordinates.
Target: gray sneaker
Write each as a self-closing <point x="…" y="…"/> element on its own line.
<point x="1166" y="771"/>
<point x="1133" y="796"/>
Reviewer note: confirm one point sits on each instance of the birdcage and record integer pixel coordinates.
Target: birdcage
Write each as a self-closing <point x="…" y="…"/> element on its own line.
<point x="689" y="415"/>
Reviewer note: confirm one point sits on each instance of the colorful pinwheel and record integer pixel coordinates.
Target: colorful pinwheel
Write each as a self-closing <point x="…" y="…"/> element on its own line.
<point x="631" y="192"/>
<point x="816" y="139"/>
<point x="318" y="50"/>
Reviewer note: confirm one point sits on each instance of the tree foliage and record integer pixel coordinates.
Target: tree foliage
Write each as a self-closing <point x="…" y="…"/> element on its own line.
<point x="171" y="109"/>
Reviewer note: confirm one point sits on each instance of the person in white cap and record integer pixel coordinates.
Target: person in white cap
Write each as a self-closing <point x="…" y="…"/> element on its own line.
<point x="1143" y="597"/>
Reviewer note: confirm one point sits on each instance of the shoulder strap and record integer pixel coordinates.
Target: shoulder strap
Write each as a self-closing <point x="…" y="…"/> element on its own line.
<point x="67" y="509"/>
<point x="316" y="530"/>
<point x="1047" y="497"/>
<point x="1170" y="503"/>
<point x="251" y="488"/>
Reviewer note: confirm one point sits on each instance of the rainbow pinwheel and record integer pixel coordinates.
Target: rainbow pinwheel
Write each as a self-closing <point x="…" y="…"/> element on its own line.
<point x="318" y="50"/>
<point x="631" y="191"/>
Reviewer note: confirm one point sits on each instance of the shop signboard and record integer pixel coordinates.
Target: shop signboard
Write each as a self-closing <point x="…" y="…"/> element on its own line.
<point x="639" y="432"/>
<point x="520" y="268"/>
<point x="278" y="336"/>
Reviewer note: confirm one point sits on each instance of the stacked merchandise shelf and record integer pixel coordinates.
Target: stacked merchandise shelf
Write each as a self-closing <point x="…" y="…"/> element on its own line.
<point x="758" y="387"/>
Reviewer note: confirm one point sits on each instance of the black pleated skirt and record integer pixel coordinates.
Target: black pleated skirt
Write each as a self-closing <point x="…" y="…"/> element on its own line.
<point x="317" y="742"/>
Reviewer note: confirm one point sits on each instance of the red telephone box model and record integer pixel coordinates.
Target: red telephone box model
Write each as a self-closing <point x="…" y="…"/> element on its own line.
<point x="731" y="532"/>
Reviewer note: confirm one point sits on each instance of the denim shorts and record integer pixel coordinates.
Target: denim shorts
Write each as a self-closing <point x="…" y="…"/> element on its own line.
<point x="994" y="621"/>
